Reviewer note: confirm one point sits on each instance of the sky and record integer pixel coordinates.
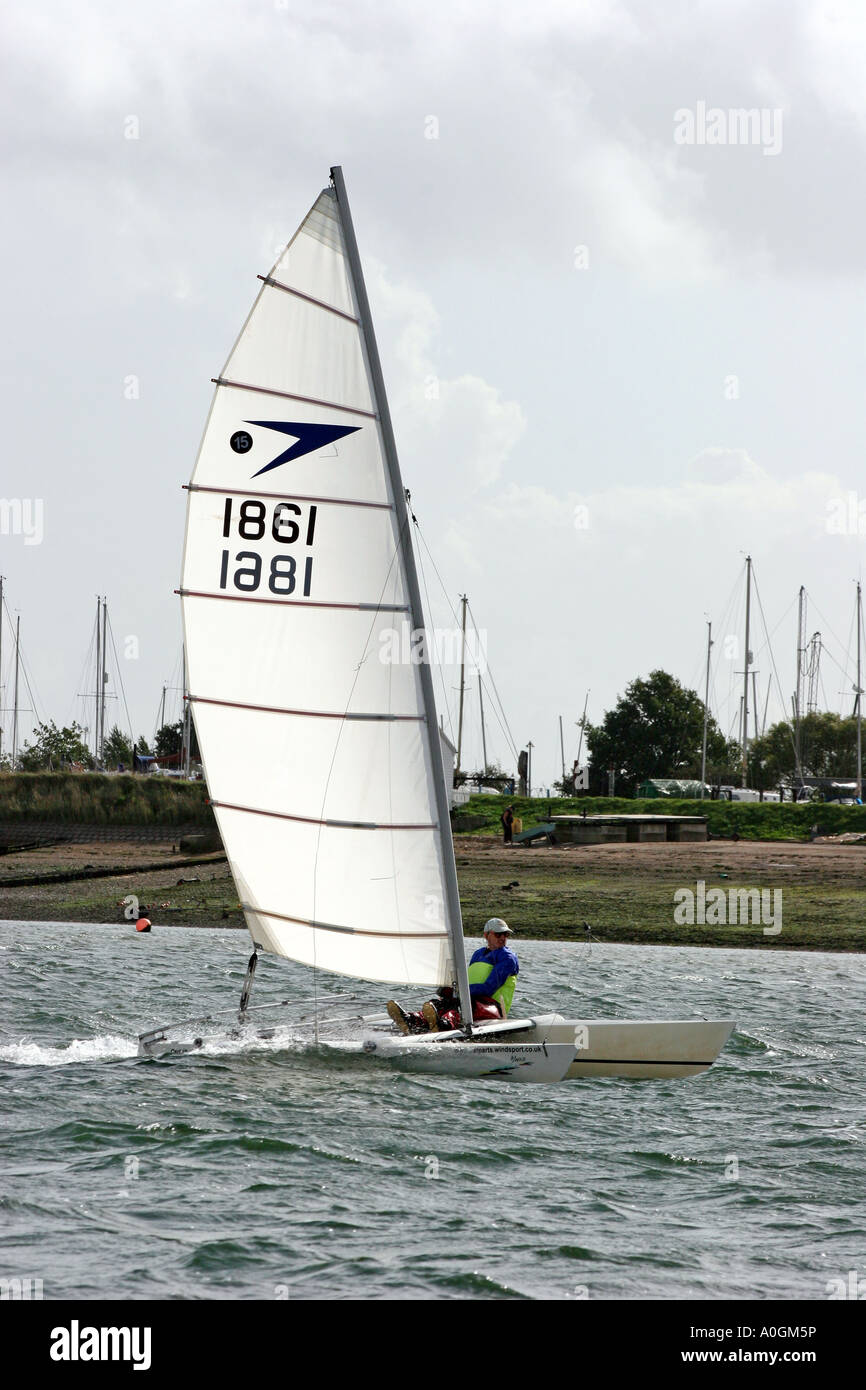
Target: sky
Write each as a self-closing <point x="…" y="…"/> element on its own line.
<point x="621" y="329"/>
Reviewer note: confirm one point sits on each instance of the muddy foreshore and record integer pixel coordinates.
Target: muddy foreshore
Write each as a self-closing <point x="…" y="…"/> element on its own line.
<point x="624" y="893"/>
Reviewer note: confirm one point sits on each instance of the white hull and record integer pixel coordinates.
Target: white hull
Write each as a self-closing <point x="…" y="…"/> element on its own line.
<point x="551" y="1048"/>
<point x="543" y="1050"/>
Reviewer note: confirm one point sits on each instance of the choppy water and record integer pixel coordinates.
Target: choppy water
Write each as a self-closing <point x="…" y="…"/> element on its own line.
<point x="262" y="1173"/>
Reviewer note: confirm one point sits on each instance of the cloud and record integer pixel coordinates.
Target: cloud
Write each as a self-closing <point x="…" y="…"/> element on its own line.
<point x="455" y="429"/>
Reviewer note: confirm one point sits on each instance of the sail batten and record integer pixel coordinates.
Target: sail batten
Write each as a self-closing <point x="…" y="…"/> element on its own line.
<point x="312" y="719"/>
<point x="298" y="602"/>
<point x="319" y="820"/>
<point x="348" y="931"/>
<point x="307" y="713"/>
<point x="320" y="303"/>
<point x="289" y="497"/>
<point x="290" y="396"/>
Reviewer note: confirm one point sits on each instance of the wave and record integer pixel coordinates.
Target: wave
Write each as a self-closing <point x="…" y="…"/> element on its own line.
<point x="110" y="1047"/>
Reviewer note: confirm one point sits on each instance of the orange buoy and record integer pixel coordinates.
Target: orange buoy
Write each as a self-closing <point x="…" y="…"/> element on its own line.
<point x="143" y="924"/>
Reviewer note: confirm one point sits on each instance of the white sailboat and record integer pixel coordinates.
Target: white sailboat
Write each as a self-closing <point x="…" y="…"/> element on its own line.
<point x="322" y="760"/>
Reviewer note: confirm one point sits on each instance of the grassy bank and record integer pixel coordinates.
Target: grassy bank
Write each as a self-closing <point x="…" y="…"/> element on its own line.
<point x="96" y="798"/>
<point x="626" y="895"/>
<point x="625" y="892"/>
<point x="750" y="820"/>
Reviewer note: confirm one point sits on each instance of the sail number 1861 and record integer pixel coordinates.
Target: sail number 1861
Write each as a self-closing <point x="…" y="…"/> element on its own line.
<point x="286" y="525"/>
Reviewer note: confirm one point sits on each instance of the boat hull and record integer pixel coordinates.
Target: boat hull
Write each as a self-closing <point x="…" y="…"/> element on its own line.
<point x="544" y="1050"/>
<point x="643" y="1049"/>
<point x="551" y="1049"/>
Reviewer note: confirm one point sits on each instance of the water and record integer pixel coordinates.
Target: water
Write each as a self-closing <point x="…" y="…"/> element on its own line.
<point x="271" y="1173"/>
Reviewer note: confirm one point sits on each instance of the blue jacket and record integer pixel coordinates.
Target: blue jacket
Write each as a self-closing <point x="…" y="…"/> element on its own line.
<point x="504" y="963"/>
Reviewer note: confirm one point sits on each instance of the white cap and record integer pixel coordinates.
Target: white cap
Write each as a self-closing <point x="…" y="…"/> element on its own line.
<point x="496" y="924"/>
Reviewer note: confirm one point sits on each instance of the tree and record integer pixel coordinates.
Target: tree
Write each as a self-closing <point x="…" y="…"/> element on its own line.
<point x="491" y="776"/>
<point x="117" y="749"/>
<point x="655" y="730"/>
<point x="828" y="749"/>
<point x="54" y="749"/>
<point x="169" y="741"/>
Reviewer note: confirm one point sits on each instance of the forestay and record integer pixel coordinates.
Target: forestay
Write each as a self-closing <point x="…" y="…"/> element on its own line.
<point x="316" y="748"/>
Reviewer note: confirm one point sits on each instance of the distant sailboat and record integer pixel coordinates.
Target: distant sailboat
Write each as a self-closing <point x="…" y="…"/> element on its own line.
<point x="323" y="761"/>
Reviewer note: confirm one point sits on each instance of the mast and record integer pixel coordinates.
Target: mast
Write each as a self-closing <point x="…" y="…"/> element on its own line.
<point x="185" y="737"/>
<point x="483" y="733"/>
<point x="462" y="685"/>
<point x="103" y="674"/>
<point x="1" y="669"/>
<point x="96" y="684"/>
<point x="454" y="915"/>
<point x="745" y="781"/>
<point x="15" y="707"/>
<point x="706" y="710"/>
<point x="859" y="693"/>
<point x="529" y="768"/>
<point x="562" y="753"/>
<point x="798" y="699"/>
<point x="582" y="727"/>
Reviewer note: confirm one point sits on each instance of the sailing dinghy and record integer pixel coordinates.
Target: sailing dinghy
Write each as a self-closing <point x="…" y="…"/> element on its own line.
<point x="323" y="760"/>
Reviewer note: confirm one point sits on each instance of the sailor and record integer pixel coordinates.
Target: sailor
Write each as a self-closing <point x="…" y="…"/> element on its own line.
<point x="492" y="974"/>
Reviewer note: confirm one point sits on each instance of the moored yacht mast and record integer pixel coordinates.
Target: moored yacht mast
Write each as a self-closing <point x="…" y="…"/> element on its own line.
<point x="745" y="781"/>
<point x="706" y="709"/>
<point x="859" y="698"/>
<point x="453" y="912"/>
<point x="15" y="698"/>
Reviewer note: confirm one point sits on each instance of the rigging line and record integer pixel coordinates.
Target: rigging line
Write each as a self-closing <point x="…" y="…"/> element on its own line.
<point x="825" y="626"/>
<point x="82" y="678"/>
<point x="825" y="651"/>
<point x="778" y="625"/>
<point x="493" y="683"/>
<point x="20" y="658"/>
<point x="503" y="721"/>
<point x="773" y="662"/>
<point x="120" y="682"/>
<point x="506" y="733"/>
<point x="430" y="613"/>
<point x="29" y="687"/>
<point x="846" y="677"/>
<point x="457" y="623"/>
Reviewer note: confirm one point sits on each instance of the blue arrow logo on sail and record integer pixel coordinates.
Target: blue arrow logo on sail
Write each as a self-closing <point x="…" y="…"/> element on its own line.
<point x="308" y="438"/>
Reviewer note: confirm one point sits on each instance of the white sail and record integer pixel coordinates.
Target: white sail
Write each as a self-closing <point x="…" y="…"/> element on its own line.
<point x="315" y="745"/>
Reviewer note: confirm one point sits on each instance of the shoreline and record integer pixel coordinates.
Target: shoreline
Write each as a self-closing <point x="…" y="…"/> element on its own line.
<point x="625" y="892"/>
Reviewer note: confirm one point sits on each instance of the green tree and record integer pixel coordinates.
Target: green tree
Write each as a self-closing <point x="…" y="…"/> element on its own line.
<point x="54" y="749"/>
<point x="169" y="740"/>
<point x="117" y="749"/>
<point x="655" y="730"/>
<point x="490" y="776"/>
<point x="828" y="749"/>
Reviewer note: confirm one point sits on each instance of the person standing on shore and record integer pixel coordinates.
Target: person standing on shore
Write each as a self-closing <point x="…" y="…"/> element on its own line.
<point x="507" y="819"/>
